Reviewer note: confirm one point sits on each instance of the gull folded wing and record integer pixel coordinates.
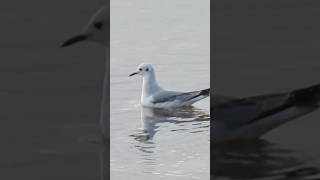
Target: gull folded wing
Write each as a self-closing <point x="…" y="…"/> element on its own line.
<point x="171" y="96"/>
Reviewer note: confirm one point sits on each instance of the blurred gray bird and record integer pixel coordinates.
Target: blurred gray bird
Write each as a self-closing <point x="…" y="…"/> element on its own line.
<point x="97" y="30"/>
<point x="252" y="117"/>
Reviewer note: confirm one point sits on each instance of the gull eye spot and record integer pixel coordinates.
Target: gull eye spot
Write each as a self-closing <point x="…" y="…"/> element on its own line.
<point x="147" y="69"/>
<point x="98" y="25"/>
<point x="140" y="69"/>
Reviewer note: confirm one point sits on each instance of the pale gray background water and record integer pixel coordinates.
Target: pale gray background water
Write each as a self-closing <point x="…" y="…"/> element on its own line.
<point x="174" y="36"/>
<point x="50" y="97"/>
<point x="269" y="46"/>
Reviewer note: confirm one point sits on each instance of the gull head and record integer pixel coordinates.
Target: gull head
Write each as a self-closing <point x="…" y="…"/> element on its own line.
<point x="97" y="30"/>
<point x="144" y="70"/>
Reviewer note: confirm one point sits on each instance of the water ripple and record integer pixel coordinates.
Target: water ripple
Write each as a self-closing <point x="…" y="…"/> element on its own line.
<point x="260" y="160"/>
<point x="179" y="123"/>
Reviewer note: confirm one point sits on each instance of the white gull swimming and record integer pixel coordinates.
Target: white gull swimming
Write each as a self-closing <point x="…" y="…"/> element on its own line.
<point x="155" y="96"/>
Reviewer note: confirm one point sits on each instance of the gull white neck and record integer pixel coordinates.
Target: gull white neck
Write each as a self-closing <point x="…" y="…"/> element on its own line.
<point x="149" y="85"/>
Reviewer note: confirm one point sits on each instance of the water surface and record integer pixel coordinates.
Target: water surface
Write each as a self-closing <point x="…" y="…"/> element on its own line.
<point x="151" y="143"/>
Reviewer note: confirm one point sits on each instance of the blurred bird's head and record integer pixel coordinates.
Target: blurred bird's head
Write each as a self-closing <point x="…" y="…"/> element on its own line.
<point x="97" y="30"/>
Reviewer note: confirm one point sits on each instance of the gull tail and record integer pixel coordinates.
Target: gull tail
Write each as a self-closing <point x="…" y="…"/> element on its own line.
<point x="205" y="92"/>
<point x="202" y="93"/>
<point x="309" y="96"/>
<point x="198" y="96"/>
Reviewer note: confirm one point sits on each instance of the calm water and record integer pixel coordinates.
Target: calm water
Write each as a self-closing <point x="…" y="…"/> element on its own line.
<point x="50" y="97"/>
<point x="150" y="143"/>
<point x="263" y="47"/>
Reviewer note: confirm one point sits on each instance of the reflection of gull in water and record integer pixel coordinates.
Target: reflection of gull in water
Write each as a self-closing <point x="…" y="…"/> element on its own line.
<point x="154" y="96"/>
<point x="252" y="117"/>
<point x="260" y="159"/>
<point x="97" y="30"/>
<point x="152" y="118"/>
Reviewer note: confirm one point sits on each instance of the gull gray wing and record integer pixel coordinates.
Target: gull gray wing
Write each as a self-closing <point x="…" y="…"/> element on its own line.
<point x="248" y="118"/>
<point x="242" y="111"/>
<point x="170" y="96"/>
<point x="251" y="109"/>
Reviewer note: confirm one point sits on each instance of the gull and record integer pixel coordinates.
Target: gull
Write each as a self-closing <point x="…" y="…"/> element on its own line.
<point x="97" y="30"/>
<point x="154" y="96"/>
<point x="251" y="117"/>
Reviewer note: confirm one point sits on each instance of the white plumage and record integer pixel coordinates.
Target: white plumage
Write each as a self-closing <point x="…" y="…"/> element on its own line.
<point x="155" y="96"/>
